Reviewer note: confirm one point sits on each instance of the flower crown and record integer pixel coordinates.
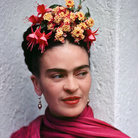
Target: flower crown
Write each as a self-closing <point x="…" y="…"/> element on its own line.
<point x="61" y="21"/>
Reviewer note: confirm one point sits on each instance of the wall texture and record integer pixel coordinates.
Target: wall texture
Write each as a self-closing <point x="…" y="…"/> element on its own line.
<point x="126" y="92"/>
<point x="114" y="65"/>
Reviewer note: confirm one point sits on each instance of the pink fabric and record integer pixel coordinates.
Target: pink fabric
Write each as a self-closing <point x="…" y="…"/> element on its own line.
<point x="31" y="131"/>
<point x="84" y="125"/>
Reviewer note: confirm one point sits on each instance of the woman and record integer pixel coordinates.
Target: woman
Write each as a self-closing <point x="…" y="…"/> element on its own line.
<point x="56" y="49"/>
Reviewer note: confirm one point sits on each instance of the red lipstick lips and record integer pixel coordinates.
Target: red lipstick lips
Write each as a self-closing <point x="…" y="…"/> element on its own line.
<point x="71" y="100"/>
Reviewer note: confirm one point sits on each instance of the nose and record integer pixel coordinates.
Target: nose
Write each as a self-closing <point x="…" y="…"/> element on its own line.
<point x="71" y="85"/>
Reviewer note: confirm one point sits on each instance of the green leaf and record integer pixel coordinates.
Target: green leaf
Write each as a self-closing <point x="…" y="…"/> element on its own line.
<point x="54" y="6"/>
<point x="87" y="14"/>
<point x="71" y="9"/>
<point x="44" y="24"/>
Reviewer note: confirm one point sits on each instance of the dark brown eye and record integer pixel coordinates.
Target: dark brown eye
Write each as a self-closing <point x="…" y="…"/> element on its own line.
<point x="58" y="76"/>
<point x="82" y="74"/>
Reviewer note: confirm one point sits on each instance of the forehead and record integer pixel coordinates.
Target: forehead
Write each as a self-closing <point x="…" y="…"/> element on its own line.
<point x="67" y="56"/>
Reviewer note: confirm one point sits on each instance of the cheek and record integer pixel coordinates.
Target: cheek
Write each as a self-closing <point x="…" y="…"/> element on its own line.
<point x="85" y="88"/>
<point x="87" y="83"/>
<point x="51" y="92"/>
<point x="88" y="86"/>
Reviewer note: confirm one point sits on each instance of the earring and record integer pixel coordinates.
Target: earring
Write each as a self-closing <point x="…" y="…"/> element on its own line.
<point x="39" y="104"/>
<point x="88" y="101"/>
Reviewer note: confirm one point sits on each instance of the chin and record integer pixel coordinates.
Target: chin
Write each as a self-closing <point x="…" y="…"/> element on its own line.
<point x="73" y="112"/>
<point x="68" y="111"/>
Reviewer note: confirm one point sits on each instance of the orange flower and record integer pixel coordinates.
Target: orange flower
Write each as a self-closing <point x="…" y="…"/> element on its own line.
<point x="90" y="22"/>
<point x="70" y="3"/>
<point x="80" y="15"/>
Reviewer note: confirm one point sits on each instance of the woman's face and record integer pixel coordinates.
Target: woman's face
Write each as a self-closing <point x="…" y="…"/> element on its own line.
<point x="64" y="80"/>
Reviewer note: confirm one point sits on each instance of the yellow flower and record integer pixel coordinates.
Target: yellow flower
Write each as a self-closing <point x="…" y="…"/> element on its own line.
<point x="50" y="26"/>
<point x="48" y="16"/>
<point x="82" y="36"/>
<point x="61" y="8"/>
<point x="66" y="28"/>
<point x="61" y="14"/>
<point x="66" y="12"/>
<point x="67" y="20"/>
<point x="55" y="10"/>
<point x="82" y="25"/>
<point x="77" y="39"/>
<point x="58" y="10"/>
<point x="90" y="22"/>
<point x="61" y="39"/>
<point x="72" y="17"/>
<point x="77" y="32"/>
<point x="59" y="33"/>
<point x="57" y="19"/>
<point x="80" y="15"/>
<point x="70" y="3"/>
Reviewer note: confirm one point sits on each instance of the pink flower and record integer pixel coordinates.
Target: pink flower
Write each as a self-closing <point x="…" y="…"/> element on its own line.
<point x="32" y="38"/>
<point x="34" y="19"/>
<point x="90" y="37"/>
<point x="42" y="40"/>
<point x="41" y="9"/>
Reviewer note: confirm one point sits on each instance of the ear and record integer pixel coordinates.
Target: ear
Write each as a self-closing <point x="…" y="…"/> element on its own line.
<point x="35" y="81"/>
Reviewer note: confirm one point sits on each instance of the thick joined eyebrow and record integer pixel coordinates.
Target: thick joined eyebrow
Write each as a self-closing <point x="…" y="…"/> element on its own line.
<point x="64" y="70"/>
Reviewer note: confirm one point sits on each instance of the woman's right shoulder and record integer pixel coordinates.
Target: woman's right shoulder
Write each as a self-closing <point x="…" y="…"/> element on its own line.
<point x="32" y="130"/>
<point x="21" y="133"/>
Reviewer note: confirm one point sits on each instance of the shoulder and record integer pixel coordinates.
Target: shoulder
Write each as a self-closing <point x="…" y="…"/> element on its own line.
<point x="30" y="131"/>
<point x="20" y="133"/>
